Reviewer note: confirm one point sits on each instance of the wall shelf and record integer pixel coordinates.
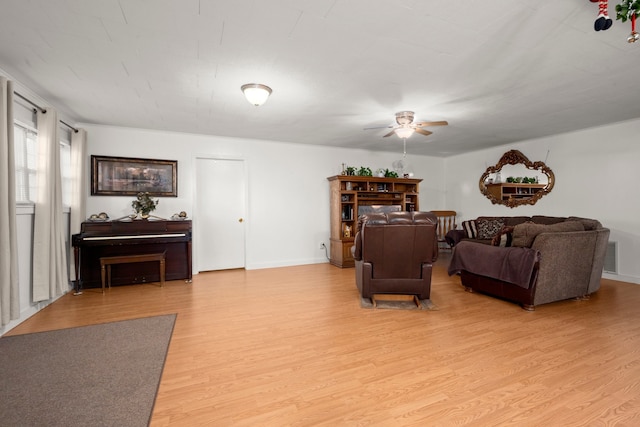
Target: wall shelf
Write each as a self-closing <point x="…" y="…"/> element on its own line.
<point x="506" y="191"/>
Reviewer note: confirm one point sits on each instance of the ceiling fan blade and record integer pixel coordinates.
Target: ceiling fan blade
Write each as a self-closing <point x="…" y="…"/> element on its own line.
<point x="422" y="131"/>
<point x="378" y="127"/>
<point x="390" y="133"/>
<point x="440" y="123"/>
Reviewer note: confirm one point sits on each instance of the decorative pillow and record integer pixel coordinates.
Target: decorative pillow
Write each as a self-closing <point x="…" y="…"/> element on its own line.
<point x="524" y="234"/>
<point x="504" y="237"/>
<point x="488" y="228"/>
<point x="469" y="227"/>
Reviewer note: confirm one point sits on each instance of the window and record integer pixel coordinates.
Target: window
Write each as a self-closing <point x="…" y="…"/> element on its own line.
<point x="26" y="158"/>
<point x="26" y="154"/>
<point x="65" y="166"/>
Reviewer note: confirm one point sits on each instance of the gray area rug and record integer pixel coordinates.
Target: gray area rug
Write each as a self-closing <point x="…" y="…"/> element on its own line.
<point x="100" y="375"/>
<point x="424" y="304"/>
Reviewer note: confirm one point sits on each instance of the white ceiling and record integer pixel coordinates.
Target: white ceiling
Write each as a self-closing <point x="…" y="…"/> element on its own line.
<point x="499" y="71"/>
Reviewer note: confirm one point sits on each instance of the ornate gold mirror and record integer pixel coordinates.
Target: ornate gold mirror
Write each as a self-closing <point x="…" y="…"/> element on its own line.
<point x="516" y="181"/>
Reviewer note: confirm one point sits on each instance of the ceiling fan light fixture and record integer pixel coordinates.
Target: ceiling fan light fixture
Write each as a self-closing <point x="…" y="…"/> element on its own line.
<point x="404" y="132"/>
<point x="404" y="117"/>
<point x="256" y="93"/>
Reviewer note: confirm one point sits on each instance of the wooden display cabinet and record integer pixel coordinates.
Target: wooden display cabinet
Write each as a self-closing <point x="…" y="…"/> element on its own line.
<point x="353" y="195"/>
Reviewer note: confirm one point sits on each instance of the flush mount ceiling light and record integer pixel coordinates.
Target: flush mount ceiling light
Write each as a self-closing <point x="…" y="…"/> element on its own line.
<point x="404" y="132"/>
<point x="256" y="93"/>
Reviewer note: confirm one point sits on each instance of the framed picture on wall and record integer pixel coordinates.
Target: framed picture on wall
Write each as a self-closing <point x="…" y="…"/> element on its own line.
<point x="125" y="176"/>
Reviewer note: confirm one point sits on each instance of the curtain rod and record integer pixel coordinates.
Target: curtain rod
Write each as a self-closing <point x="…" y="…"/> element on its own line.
<point x="69" y="126"/>
<point x="43" y="111"/>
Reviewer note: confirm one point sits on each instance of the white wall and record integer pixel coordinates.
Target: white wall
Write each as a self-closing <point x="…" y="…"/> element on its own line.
<point x="597" y="176"/>
<point x="288" y="206"/>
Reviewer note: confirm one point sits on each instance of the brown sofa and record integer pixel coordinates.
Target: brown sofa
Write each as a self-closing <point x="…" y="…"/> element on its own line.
<point x="394" y="253"/>
<point x="534" y="263"/>
<point x="479" y="229"/>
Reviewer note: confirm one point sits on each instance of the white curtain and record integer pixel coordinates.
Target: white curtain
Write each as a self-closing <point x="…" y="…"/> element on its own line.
<point x="9" y="292"/>
<point x="78" y="186"/>
<point x="49" y="253"/>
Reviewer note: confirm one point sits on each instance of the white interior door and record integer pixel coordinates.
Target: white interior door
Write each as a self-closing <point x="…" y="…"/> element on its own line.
<point x="220" y="210"/>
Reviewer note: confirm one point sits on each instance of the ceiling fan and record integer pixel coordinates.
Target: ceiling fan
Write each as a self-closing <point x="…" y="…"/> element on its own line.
<point x="406" y="127"/>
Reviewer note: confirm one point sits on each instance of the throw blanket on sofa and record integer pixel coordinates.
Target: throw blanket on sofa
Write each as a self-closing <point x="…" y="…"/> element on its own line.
<point x="513" y="264"/>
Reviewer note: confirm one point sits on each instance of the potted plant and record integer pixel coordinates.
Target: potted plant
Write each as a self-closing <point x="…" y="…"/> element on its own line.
<point x="390" y="174"/>
<point x="364" y="171"/>
<point x="350" y="170"/>
<point x="144" y="204"/>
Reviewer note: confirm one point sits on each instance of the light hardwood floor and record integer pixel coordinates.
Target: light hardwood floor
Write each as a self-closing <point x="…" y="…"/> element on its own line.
<point x="292" y="347"/>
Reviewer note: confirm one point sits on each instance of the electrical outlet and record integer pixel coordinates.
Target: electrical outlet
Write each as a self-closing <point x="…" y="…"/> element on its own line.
<point x="321" y="245"/>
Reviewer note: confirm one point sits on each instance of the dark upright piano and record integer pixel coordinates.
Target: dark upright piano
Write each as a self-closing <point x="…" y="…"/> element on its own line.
<point x="132" y="237"/>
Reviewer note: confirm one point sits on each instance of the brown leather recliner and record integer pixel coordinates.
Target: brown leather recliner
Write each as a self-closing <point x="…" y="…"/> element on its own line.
<point x="394" y="253"/>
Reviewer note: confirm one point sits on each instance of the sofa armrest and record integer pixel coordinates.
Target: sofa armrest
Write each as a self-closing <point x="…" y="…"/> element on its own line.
<point x="453" y="237"/>
<point x="599" y="254"/>
<point x="508" y="264"/>
<point x="567" y="260"/>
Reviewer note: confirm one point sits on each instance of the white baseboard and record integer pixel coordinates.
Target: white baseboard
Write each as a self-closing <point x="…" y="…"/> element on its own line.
<point x="28" y="312"/>
<point x="621" y="278"/>
<point x="288" y="263"/>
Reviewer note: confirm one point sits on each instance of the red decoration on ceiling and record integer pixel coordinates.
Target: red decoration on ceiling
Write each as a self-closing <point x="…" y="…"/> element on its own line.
<point x="603" y="21"/>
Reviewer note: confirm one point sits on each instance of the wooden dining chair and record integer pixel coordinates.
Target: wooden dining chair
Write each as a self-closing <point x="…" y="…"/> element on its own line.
<point x="446" y="222"/>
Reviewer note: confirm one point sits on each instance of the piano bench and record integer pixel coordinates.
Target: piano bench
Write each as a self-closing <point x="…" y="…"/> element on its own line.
<point x="108" y="261"/>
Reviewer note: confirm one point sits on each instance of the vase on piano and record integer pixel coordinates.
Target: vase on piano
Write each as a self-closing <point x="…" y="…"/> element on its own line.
<point x="144" y="205"/>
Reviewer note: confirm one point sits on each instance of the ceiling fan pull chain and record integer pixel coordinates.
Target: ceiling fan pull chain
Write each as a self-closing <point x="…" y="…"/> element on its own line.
<point x="634" y="34"/>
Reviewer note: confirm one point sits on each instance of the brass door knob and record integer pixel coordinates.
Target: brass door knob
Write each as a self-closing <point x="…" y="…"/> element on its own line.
<point x="240" y="220"/>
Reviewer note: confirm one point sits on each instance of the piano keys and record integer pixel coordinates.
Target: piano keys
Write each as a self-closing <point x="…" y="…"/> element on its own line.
<point x="131" y="237"/>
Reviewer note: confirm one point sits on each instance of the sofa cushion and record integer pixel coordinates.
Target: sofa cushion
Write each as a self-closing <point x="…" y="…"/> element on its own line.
<point x="589" y="224"/>
<point x="508" y="220"/>
<point x="488" y="228"/>
<point x="515" y="220"/>
<point x="524" y="234"/>
<point x="504" y="237"/>
<point x="547" y="220"/>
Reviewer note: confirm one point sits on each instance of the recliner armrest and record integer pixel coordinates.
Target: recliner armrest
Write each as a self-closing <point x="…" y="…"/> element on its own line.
<point x="356" y="249"/>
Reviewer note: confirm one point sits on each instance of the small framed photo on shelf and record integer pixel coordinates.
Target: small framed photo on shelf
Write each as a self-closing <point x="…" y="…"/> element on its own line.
<point x="347" y="213"/>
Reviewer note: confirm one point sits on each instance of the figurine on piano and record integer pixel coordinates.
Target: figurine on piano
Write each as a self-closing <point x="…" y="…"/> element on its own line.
<point x="102" y="216"/>
<point x="179" y="216"/>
